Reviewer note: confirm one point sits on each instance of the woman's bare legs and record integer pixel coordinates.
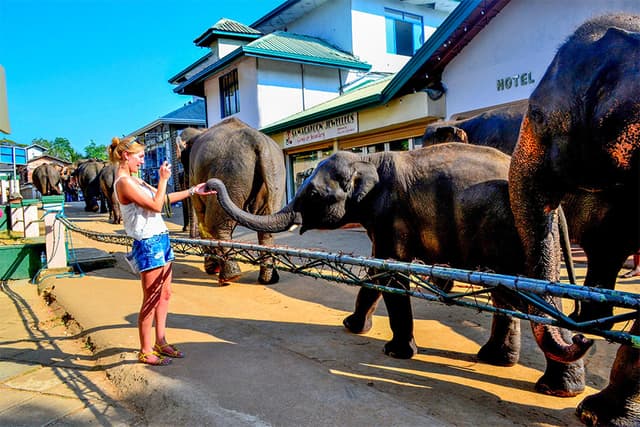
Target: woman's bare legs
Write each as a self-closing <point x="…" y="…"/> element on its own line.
<point x="156" y="289"/>
<point x="162" y="309"/>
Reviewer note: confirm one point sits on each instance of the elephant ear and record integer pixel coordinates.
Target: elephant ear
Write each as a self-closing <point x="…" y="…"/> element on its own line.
<point x="364" y="178"/>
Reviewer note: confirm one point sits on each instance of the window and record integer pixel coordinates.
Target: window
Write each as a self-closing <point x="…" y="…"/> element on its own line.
<point x="229" y="94"/>
<point x="404" y="32"/>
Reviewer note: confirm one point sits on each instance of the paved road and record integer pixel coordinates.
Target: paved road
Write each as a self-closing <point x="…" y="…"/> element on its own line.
<point x="48" y="376"/>
<point x="278" y="355"/>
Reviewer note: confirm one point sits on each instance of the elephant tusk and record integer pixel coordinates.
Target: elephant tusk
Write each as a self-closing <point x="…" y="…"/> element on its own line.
<point x="293" y="227"/>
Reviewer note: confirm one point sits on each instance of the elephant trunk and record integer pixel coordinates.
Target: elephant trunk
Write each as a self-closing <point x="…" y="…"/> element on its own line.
<point x="551" y="340"/>
<point x="534" y="211"/>
<point x="274" y="223"/>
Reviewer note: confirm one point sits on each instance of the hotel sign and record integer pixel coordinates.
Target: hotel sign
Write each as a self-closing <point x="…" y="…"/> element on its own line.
<point x="319" y="131"/>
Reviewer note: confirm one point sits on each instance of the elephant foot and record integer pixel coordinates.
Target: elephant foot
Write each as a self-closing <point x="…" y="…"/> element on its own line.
<point x="211" y="265"/>
<point x="503" y="346"/>
<point x="400" y="350"/>
<point x="357" y="324"/>
<point x="609" y="408"/>
<point x="268" y="276"/>
<point x="562" y="380"/>
<point x="229" y="271"/>
<point x="498" y="355"/>
<point x="586" y="311"/>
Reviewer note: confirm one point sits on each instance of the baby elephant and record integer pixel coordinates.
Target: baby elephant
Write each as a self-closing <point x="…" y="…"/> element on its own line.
<point x="444" y="204"/>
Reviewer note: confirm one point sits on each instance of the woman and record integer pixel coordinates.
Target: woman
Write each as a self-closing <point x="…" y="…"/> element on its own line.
<point x="151" y="252"/>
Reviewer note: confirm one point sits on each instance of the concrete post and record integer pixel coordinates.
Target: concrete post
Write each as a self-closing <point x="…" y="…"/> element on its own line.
<point x="55" y="239"/>
<point x="30" y="213"/>
<point x="4" y="190"/>
<point x="17" y="216"/>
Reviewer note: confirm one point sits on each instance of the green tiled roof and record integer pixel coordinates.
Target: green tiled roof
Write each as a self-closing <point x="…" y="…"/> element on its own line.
<point x="301" y="48"/>
<point x="349" y="101"/>
<point x="227" y="28"/>
<point x="279" y="45"/>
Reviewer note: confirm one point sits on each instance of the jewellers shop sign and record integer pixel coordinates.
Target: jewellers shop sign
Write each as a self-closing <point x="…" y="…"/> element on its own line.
<point x="319" y="131"/>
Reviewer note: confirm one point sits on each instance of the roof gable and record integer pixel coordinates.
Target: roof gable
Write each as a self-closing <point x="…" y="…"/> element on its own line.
<point x="229" y="29"/>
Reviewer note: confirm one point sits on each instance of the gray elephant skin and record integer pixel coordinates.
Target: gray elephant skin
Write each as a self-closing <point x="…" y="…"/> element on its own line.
<point x="581" y="131"/>
<point x="498" y="128"/>
<point x="87" y="175"/>
<point x="445" y="204"/>
<point x="107" y="177"/>
<point x="253" y="166"/>
<point x="46" y="178"/>
<point x="583" y="208"/>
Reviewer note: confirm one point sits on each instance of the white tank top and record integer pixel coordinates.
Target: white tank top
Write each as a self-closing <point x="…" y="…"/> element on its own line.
<point x="140" y="223"/>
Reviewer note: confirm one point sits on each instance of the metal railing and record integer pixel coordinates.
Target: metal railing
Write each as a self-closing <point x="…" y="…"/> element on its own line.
<point x="472" y="291"/>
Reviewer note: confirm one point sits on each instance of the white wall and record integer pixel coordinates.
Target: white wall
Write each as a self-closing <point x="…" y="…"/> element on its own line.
<point x="522" y="38"/>
<point x="330" y="22"/>
<point x="369" y="32"/>
<point x="247" y="82"/>
<point x="280" y="87"/>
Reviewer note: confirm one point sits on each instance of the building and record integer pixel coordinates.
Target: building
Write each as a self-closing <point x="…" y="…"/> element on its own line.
<point x="487" y="53"/>
<point x="162" y="140"/>
<point x="305" y="54"/>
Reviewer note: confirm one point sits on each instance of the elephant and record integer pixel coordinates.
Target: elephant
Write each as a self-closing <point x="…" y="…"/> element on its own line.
<point x="581" y="132"/>
<point x="46" y="179"/>
<point x="582" y="207"/>
<point x="107" y="177"/>
<point x="498" y="128"/>
<point x="253" y="165"/>
<point x="444" y="204"/>
<point x="87" y="174"/>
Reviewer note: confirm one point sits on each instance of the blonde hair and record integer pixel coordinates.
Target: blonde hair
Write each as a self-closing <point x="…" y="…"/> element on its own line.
<point x="119" y="146"/>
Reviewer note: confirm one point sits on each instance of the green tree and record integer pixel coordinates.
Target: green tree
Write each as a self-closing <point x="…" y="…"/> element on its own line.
<point x="94" y="150"/>
<point x="59" y="147"/>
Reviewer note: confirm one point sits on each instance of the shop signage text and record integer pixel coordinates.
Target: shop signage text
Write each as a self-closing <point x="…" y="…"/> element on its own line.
<point x="319" y="131"/>
<point x="517" y="80"/>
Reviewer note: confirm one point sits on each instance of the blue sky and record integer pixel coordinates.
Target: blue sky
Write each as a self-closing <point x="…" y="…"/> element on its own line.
<point x="88" y="70"/>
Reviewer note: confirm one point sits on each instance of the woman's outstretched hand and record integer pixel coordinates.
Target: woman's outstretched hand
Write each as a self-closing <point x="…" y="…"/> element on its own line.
<point x="201" y="190"/>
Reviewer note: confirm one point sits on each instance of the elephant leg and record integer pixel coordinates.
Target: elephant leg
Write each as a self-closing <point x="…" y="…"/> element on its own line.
<point x="503" y="346"/>
<point x="619" y="403"/>
<point x="268" y="273"/>
<point x="602" y="271"/>
<point x="229" y="269"/>
<point x="211" y="263"/>
<point x="360" y="322"/>
<point x="402" y="345"/>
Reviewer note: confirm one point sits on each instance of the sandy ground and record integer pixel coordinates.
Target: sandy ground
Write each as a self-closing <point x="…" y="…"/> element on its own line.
<point x="302" y="317"/>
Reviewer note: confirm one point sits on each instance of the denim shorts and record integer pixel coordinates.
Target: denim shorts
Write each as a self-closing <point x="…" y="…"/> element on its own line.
<point x="150" y="253"/>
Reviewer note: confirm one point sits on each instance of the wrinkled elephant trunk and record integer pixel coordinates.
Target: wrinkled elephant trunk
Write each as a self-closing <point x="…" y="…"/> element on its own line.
<point x="274" y="223"/>
<point x="551" y="341"/>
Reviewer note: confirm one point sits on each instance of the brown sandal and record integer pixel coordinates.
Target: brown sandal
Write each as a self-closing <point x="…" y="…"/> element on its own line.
<point x="157" y="359"/>
<point x="168" y="350"/>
